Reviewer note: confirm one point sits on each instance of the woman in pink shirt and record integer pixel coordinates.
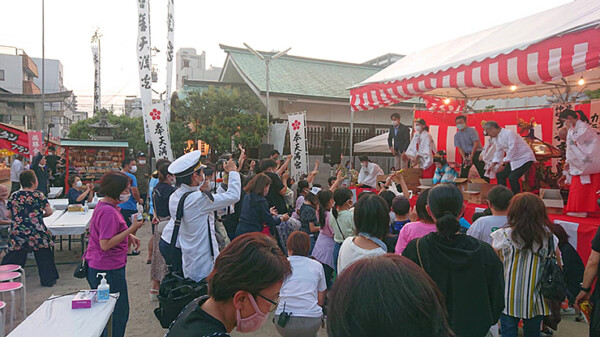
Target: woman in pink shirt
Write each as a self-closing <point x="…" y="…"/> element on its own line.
<point x="415" y="230"/>
<point x="107" y="247"/>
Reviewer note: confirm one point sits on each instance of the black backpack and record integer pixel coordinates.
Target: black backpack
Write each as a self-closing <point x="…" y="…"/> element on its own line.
<point x="552" y="284"/>
<point x="176" y="291"/>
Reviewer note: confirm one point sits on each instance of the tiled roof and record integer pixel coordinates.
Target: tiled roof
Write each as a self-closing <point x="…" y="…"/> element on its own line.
<point x="301" y="76"/>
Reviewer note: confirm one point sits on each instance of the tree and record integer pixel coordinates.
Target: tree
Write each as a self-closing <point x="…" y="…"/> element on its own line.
<point x="215" y="116"/>
<point x="129" y="129"/>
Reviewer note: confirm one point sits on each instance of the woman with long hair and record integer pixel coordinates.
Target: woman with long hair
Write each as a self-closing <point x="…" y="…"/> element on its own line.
<point x="422" y="148"/>
<point x="243" y="288"/>
<point x="467" y="271"/>
<point x="386" y="296"/>
<point x="523" y="246"/>
<point x="582" y="164"/>
<point x="323" y="251"/>
<point x="255" y="207"/>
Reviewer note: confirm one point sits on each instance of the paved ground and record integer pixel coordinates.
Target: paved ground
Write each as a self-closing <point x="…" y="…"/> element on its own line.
<point x="142" y="321"/>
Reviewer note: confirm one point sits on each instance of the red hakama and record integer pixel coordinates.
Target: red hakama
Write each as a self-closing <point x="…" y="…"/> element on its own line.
<point x="583" y="198"/>
<point x="429" y="173"/>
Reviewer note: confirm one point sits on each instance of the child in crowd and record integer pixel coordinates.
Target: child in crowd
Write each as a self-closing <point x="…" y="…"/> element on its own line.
<point x="303" y="188"/>
<point x="342" y="221"/>
<point x="498" y="200"/>
<point x="444" y="172"/>
<point x="323" y="251"/>
<point x="308" y="216"/>
<point x="414" y="230"/>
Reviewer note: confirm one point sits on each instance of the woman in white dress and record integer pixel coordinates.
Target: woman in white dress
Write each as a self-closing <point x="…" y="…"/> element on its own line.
<point x="422" y="148"/>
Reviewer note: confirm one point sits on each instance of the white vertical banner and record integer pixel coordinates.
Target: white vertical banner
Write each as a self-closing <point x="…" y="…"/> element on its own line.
<point x="170" y="55"/>
<point x="144" y="62"/>
<point x="97" y="95"/>
<point x="278" y="132"/>
<point x="159" y="131"/>
<point x="297" y="127"/>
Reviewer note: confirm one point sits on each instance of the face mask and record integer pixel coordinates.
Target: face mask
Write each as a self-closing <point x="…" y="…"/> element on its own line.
<point x="460" y="126"/>
<point x="133" y="169"/>
<point x="395" y="123"/>
<point x="417" y="128"/>
<point x="252" y="323"/>
<point x="172" y="181"/>
<point x="124" y="197"/>
<point x="142" y="162"/>
<point x="78" y="184"/>
<point x="364" y="164"/>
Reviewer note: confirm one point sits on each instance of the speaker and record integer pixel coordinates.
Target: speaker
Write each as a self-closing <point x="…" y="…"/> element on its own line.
<point x="264" y="151"/>
<point x="332" y="152"/>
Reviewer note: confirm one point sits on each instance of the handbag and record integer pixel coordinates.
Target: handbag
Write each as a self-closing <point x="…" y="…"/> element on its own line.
<point x="82" y="269"/>
<point x="552" y="283"/>
<point x="177" y="291"/>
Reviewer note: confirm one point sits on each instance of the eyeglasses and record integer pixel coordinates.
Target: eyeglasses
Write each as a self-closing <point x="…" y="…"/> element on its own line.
<point x="274" y="303"/>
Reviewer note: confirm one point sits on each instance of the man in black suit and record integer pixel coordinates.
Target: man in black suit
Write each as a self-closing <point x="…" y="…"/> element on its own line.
<point x="398" y="141"/>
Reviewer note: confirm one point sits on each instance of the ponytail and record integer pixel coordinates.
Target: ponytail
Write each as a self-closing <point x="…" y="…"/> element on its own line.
<point x="447" y="225"/>
<point x="575" y="114"/>
<point x="340" y="197"/>
<point x="582" y="116"/>
<point x="324" y="198"/>
<point x="446" y="203"/>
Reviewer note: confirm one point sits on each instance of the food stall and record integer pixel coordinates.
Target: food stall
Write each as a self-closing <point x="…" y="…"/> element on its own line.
<point x="91" y="159"/>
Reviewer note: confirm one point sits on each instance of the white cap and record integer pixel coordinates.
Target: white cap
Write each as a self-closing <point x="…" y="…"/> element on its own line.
<point x="186" y="164"/>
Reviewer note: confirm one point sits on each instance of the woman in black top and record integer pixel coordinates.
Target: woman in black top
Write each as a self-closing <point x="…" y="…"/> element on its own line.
<point x="242" y="289"/>
<point x="255" y="207"/>
<point x="160" y="196"/>
<point x="467" y="271"/>
<point x="79" y="193"/>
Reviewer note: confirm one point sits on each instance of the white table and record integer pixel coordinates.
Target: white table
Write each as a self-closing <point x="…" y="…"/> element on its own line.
<point x="56" y="318"/>
<point x="71" y="223"/>
<point x="48" y="221"/>
<point x="55" y="192"/>
<point x="59" y="203"/>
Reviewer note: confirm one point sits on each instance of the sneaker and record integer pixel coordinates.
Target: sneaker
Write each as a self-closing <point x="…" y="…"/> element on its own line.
<point x="568" y="311"/>
<point x="546" y="332"/>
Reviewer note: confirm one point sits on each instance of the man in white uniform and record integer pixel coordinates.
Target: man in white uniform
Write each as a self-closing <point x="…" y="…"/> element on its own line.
<point x="196" y="238"/>
<point x="512" y="153"/>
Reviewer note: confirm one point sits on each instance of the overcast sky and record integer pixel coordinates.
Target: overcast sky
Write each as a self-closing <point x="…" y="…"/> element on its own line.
<point x="344" y="30"/>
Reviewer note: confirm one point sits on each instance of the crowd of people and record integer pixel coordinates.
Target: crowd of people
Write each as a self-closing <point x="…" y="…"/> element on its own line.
<point x="366" y="261"/>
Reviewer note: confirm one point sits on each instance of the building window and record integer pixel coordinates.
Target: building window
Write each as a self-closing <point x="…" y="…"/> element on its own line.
<point x="1" y="74"/>
<point x="186" y="63"/>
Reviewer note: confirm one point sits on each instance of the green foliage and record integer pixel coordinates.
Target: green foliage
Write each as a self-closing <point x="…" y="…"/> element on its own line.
<point x="214" y="116"/>
<point x="129" y="129"/>
<point x="593" y="94"/>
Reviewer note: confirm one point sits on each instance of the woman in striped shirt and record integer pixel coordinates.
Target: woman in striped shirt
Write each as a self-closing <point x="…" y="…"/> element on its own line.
<point x="523" y="248"/>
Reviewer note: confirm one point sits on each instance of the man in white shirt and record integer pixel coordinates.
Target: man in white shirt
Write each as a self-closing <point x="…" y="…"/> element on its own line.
<point x="15" y="171"/>
<point x="498" y="200"/>
<point x="512" y="153"/>
<point x="196" y="244"/>
<point x="367" y="177"/>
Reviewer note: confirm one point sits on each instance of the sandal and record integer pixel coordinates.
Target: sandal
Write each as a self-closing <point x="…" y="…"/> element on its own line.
<point x="148" y="261"/>
<point x="153" y="295"/>
<point x="134" y="253"/>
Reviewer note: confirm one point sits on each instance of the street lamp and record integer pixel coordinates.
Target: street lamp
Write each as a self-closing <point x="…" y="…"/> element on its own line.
<point x="267" y="59"/>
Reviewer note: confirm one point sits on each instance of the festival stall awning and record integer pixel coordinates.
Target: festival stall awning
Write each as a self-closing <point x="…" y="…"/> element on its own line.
<point x="14" y="139"/>
<point x="544" y="54"/>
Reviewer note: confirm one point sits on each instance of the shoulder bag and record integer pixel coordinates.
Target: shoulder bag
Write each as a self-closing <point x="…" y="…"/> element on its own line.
<point x="176" y="291"/>
<point x="552" y="284"/>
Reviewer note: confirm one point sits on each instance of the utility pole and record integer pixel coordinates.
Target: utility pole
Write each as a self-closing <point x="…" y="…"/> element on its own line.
<point x="267" y="59"/>
<point x="43" y="67"/>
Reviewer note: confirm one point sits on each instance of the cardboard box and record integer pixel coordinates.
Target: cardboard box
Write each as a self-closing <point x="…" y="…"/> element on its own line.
<point x="425" y="184"/>
<point x="475" y="190"/>
<point x="411" y="178"/>
<point x="552" y="200"/>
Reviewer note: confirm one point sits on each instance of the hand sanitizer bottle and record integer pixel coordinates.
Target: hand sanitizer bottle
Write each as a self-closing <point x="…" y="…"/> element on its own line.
<point x="103" y="289"/>
<point x="140" y="214"/>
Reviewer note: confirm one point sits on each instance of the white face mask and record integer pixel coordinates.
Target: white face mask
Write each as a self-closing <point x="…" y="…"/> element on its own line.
<point x="124" y="197"/>
<point x="417" y="128"/>
<point x="142" y="162"/>
<point x="133" y="169"/>
<point x="78" y="184"/>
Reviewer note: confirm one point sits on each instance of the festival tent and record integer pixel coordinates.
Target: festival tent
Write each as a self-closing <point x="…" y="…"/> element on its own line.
<point x="375" y="144"/>
<point x="544" y="54"/>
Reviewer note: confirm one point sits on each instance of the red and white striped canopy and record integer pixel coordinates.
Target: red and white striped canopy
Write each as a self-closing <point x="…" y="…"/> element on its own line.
<point x="543" y="54"/>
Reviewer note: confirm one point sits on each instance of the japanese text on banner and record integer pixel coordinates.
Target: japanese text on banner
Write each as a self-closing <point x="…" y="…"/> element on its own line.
<point x="144" y="62"/>
<point x="159" y="131"/>
<point x="298" y="148"/>
<point x="97" y="95"/>
<point x="170" y="50"/>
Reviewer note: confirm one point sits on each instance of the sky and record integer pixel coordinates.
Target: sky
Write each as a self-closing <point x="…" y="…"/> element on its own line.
<point x="342" y="30"/>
